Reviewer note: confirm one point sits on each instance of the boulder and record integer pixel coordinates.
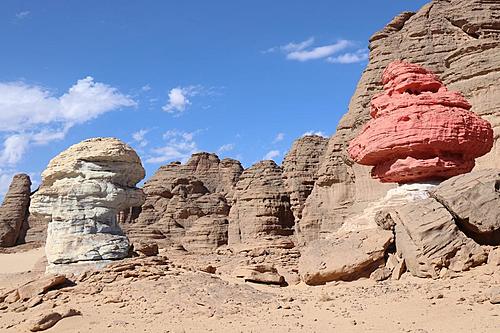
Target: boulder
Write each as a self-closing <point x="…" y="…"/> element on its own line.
<point x="261" y="215"/>
<point x="45" y="321"/>
<point x="428" y="240"/>
<point x="381" y="274"/>
<point x="454" y="39"/>
<point x="14" y="211"/>
<point x="82" y="190"/>
<point x="474" y="200"/>
<point x="419" y="130"/>
<point x="147" y="249"/>
<point x="344" y="256"/>
<point x="260" y="273"/>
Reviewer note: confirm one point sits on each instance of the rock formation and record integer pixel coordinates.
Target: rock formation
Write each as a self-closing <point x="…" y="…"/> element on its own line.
<point x="428" y="239"/>
<point x="187" y="205"/>
<point x="344" y="256"/>
<point x="299" y="170"/>
<point x="474" y="201"/>
<point x="82" y="190"/>
<point x="261" y="214"/>
<point x="14" y="211"/>
<point x="419" y="130"/>
<point x="458" y="40"/>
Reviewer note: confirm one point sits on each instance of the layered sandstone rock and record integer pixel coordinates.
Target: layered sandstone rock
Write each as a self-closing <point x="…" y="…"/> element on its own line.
<point x="187" y="205"/>
<point x="474" y="200"/>
<point x="344" y="256"/>
<point x="459" y="41"/>
<point x="419" y="130"/>
<point x="428" y="239"/>
<point x="14" y="211"/>
<point x="261" y="214"/>
<point x="82" y="190"/>
<point x="299" y="170"/>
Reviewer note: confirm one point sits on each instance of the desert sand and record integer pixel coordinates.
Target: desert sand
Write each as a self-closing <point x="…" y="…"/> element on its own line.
<point x="193" y="301"/>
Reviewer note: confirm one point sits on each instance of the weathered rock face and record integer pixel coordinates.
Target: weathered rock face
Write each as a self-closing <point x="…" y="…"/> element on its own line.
<point x="14" y="210"/>
<point x="474" y="201"/>
<point x="261" y="214"/>
<point x="82" y="190"/>
<point x="299" y="170"/>
<point x="429" y="240"/>
<point x="419" y="130"/>
<point x="345" y="256"/>
<point x="187" y="205"/>
<point x="459" y="41"/>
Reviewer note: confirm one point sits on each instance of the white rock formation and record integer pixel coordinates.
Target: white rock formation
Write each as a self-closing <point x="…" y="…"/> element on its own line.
<point x="82" y="190"/>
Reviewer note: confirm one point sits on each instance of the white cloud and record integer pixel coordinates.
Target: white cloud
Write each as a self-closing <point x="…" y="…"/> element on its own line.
<point x="333" y="53"/>
<point x="225" y="148"/>
<point x="319" y="51"/>
<point x="14" y="148"/>
<point x="139" y="137"/>
<point x="180" y="146"/>
<point x="272" y="154"/>
<point x="178" y="98"/>
<point x="349" y="58"/>
<point x="32" y="114"/>
<point x="146" y="87"/>
<point x="23" y="14"/>
<point x="5" y="180"/>
<point x="319" y="133"/>
<point x="291" y="47"/>
<point x="279" y="137"/>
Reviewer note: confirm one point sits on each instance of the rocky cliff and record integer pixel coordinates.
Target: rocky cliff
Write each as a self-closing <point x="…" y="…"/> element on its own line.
<point x="459" y="41"/>
<point x="14" y="211"/>
<point x="187" y="205"/>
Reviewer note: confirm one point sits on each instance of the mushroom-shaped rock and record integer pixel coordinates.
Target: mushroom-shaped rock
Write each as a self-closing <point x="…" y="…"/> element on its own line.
<point x="419" y="129"/>
<point x="82" y="190"/>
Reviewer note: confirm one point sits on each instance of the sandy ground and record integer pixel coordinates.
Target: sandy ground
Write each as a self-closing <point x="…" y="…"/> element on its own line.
<point x="187" y="301"/>
<point x="20" y="262"/>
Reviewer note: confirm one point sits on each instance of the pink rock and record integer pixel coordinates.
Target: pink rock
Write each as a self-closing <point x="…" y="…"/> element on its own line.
<point x="419" y="130"/>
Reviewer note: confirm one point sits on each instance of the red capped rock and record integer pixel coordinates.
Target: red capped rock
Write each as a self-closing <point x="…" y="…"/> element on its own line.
<point x="419" y="129"/>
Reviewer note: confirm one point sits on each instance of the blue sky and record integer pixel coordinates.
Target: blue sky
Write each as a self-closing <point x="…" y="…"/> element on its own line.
<point x="242" y="79"/>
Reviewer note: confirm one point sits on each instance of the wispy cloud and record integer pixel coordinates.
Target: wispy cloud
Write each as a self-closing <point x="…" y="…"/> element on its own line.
<point x="337" y="52"/>
<point x="225" y="148"/>
<point x="146" y="87"/>
<point x="319" y="52"/>
<point x="292" y="46"/>
<point x="140" y="137"/>
<point x="31" y="114"/>
<point x="279" y="137"/>
<point x="22" y="15"/>
<point x="180" y="145"/>
<point x="272" y="155"/>
<point x="349" y="58"/>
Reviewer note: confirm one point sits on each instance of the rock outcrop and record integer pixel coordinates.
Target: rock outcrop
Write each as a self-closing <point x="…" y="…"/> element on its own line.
<point x="82" y="191"/>
<point x="428" y="239"/>
<point x="188" y="205"/>
<point x="419" y="130"/>
<point x="345" y="256"/>
<point x="474" y="201"/>
<point x="14" y="211"/>
<point x="261" y="214"/>
<point x="459" y="41"/>
<point x="299" y="170"/>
